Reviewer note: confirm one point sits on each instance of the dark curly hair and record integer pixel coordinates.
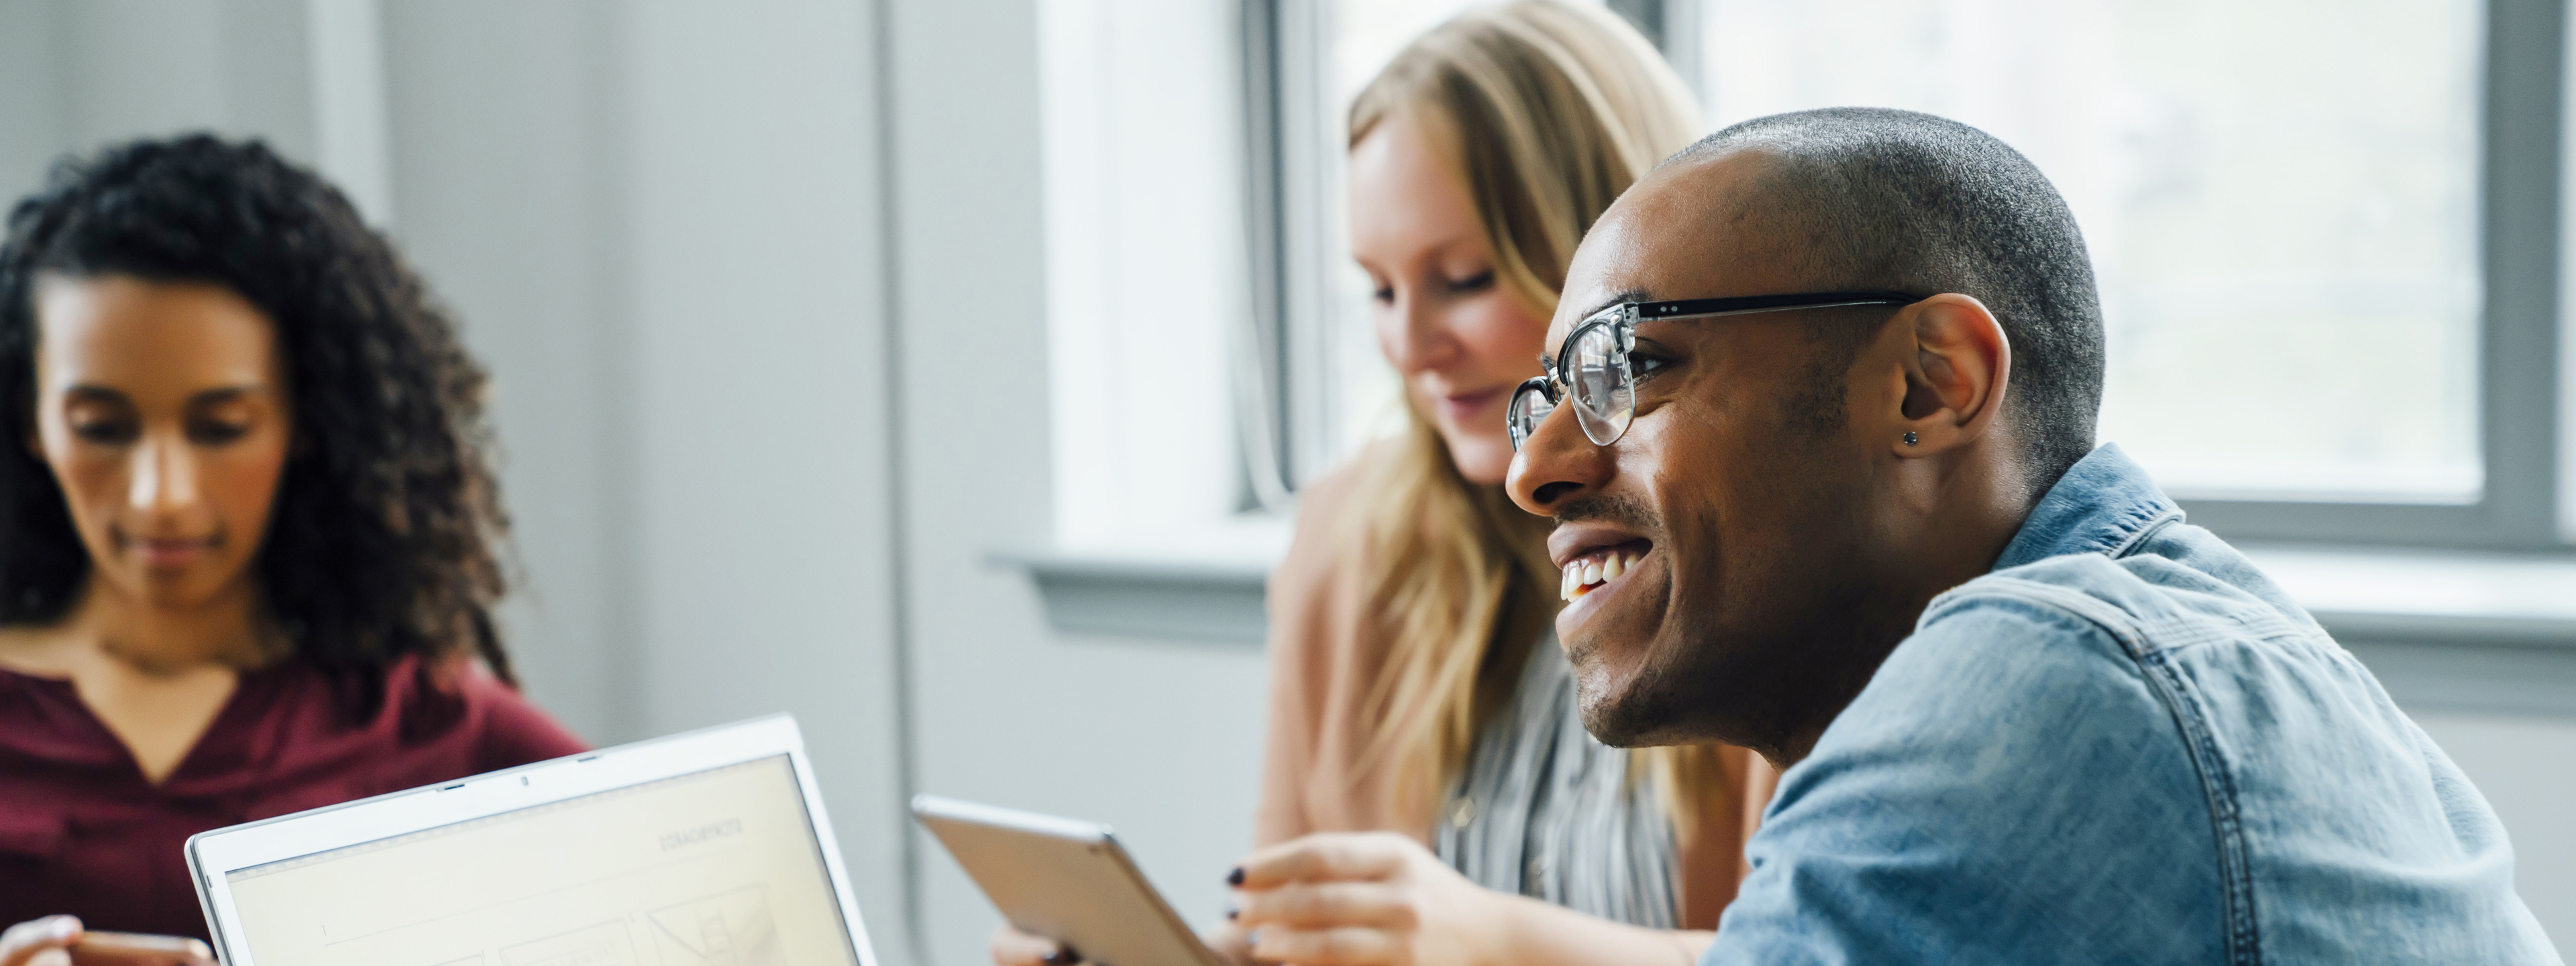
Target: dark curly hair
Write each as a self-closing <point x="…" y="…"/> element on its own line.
<point x="384" y="535"/>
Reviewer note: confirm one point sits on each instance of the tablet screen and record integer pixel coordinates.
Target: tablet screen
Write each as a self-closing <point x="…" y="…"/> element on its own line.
<point x="713" y="868"/>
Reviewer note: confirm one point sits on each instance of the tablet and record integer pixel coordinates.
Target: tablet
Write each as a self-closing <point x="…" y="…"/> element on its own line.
<point x="1066" y="880"/>
<point x="703" y="849"/>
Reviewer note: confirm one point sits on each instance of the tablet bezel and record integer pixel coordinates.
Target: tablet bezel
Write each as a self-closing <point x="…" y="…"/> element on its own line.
<point x="212" y="855"/>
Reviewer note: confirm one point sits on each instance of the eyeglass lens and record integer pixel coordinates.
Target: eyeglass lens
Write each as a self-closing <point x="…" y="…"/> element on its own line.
<point x="1529" y="408"/>
<point x="1599" y="380"/>
<point x="1604" y="397"/>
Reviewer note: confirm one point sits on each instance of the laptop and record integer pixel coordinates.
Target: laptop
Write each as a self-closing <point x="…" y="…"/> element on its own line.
<point x="702" y="849"/>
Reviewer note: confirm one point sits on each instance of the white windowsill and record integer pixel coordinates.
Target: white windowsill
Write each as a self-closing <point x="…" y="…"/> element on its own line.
<point x="2444" y="597"/>
<point x="1206" y="584"/>
<point x="2487" y="632"/>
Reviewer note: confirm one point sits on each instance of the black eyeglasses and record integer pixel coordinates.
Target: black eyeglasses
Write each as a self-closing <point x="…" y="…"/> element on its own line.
<point x="1593" y="363"/>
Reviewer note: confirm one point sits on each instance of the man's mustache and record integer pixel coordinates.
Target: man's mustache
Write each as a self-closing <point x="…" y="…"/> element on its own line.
<point x="1625" y="511"/>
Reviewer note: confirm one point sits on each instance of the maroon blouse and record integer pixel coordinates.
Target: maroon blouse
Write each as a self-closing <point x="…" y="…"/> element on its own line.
<point x="82" y="832"/>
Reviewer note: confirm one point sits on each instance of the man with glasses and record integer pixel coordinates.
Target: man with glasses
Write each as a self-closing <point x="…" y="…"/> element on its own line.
<point x="1817" y="434"/>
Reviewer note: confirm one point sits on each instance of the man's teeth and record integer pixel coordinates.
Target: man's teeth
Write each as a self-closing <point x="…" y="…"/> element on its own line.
<point x="1588" y="574"/>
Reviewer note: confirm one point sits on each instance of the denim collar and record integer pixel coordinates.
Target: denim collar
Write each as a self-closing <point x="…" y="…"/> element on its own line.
<point x="2104" y="504"/>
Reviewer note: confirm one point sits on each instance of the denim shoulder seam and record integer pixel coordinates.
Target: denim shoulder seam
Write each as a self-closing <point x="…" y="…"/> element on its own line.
<point x="2218" y="784"/>
<point x="2138" y="538"/>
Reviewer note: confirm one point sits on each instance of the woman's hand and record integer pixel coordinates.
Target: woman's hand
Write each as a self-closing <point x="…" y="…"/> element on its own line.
<point x="1012" y="947"/>
<point x="40" y="942"/>
<point x="1364" y="899"/>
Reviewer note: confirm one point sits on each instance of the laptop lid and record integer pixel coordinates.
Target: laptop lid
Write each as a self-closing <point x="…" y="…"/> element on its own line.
<point x="702" y="849"/>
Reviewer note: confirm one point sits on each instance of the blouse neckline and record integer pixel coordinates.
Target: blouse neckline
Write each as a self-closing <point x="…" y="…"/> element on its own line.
<point x="229" y="731"/>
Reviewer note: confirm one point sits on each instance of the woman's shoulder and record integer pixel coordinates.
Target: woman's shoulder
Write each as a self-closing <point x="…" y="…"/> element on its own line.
<point x="1318" y="595"/>
<point x="425" y="709"/>
<point x="298" y="735"/>
<point x="1320" y="636"/>
<point x="1324" y="541"/>
<point x="33" y="649"/>
<point x="510" y="729"/>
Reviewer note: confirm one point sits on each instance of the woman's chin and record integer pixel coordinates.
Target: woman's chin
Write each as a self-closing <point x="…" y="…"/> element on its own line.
<point x="172" y="588"/>
<point x="1482" y="460"/>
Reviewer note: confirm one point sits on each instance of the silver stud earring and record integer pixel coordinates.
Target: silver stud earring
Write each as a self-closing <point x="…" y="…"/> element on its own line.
<point x="1909" y="439"/>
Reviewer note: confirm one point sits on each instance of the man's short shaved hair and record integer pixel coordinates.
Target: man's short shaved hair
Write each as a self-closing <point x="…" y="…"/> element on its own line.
<point x="1885" y="199"/>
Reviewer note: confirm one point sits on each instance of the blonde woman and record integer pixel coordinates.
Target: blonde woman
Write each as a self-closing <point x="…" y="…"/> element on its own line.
<point x="1419" y="692"/>
<point x="1419" y="697"/>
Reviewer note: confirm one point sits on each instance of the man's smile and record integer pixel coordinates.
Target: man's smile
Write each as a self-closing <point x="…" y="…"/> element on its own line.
<point x="1598" y="558"/>
<point x="1601" y="580"/>
<point x="1598" y="567"/>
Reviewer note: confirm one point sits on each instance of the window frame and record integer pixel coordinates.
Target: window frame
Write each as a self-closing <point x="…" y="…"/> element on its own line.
<point x="1287" y="434"/>
<point x="2519" y="400"/>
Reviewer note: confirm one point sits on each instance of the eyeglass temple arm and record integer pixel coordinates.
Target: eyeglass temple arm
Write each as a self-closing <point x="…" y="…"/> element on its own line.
<point x="1690" y="308"/>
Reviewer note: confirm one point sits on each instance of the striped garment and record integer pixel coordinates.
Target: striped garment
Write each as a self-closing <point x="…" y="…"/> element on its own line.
<point x="1546" y="811"/>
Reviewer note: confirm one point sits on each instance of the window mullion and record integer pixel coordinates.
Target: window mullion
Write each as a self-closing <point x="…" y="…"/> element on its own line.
<point x="2519" y="375"/>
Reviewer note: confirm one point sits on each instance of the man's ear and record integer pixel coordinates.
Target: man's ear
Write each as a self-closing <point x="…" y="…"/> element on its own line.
<point x="1955" y="377"/>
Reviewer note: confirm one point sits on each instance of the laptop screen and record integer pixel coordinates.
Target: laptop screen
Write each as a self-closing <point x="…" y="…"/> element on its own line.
<point x="713" y="868"/>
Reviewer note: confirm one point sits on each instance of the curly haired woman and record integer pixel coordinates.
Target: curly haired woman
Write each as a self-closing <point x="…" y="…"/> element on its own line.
<point x="249" y="536"/>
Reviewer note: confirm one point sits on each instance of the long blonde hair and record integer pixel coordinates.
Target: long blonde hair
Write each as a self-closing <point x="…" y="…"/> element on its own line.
<point x="1548" y="111"/>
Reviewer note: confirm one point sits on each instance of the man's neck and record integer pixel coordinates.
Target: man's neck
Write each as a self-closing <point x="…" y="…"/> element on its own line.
<point x="1938" y="545"/>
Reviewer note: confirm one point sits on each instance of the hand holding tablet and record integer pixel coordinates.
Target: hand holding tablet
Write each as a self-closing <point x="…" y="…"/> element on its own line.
<point x="54" y="940"/>
<point x="137" y="949"/>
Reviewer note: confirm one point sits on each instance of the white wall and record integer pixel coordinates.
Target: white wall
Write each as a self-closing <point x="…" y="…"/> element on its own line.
<point x="657" y="222"/>
<point x="509" y="180"/>
<point x="1156" y="739"/>
<point x="2526" y="766"/>
<point x="81" y="74"/>
<point x="761" y="501"/>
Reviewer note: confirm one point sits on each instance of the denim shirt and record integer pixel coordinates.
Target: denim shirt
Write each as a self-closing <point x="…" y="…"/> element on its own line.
<point x="2125" y="745"/>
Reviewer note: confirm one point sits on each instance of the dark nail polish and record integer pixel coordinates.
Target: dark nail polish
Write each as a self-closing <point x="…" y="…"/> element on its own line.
<point x="1233" y="911"/>
<point x="1235" y="877"/>
<point x="1062" y="956"/>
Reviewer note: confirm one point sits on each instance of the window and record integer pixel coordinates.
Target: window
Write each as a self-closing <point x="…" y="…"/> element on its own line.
<point x="2322" y="232"/>
<point x="1148" y="266"/>
<point x="2280" y="200"/>
<point x="2326" y="235"/>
